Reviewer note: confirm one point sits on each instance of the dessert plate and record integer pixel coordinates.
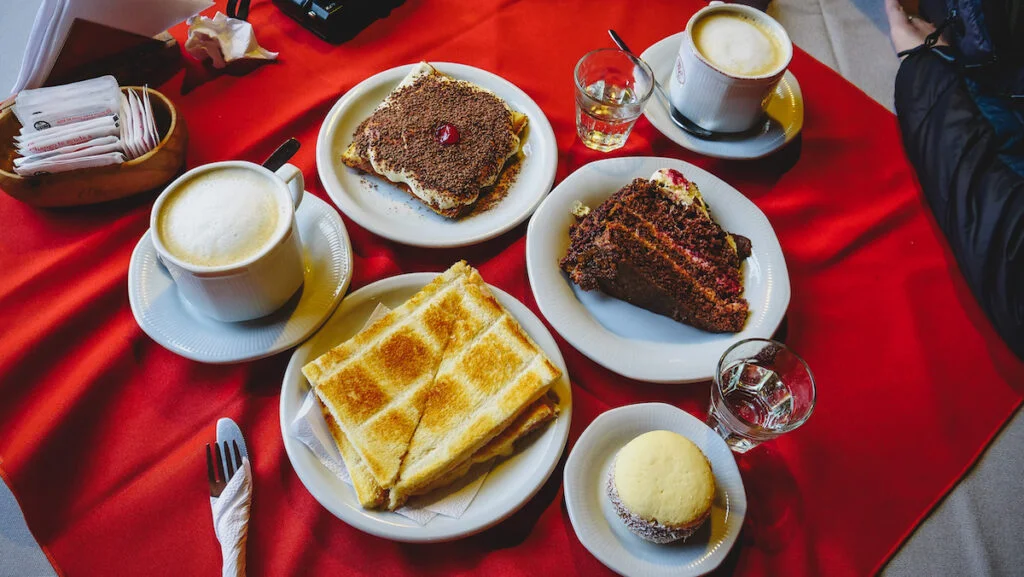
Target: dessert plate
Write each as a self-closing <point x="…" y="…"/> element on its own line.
<point x="599" y="528"/>
<point x="172" y="322"/>
<point x="384" y="209"/>
<point x="624" y="338"/>
<point x="510" y="483"/>
<point x="785" y="111"/>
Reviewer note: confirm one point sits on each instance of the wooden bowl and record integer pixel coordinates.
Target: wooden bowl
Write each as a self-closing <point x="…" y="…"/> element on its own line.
<point x="91" y="185"/>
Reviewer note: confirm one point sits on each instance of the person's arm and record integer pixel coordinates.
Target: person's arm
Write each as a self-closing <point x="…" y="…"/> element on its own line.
<point x="976" y="198"/>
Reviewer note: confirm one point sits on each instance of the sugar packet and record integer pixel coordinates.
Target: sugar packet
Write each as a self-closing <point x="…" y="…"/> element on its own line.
<point x="106" y="126"/>
<point x="46" y="108"/>
<point x="82" y="125"/>
<point x="50" y="166"/>
<point x="94" y="146"/>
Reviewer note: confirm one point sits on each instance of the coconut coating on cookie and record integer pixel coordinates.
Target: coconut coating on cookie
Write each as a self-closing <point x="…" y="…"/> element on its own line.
<point x="648" y="530"/>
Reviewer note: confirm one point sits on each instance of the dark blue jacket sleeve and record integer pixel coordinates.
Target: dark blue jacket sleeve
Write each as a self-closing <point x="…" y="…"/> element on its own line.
<point x="976" y="197"/>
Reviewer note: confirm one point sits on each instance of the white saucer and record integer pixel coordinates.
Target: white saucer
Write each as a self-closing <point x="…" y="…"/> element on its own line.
<point x="785" y="109"/>
<point x="509" y="485"/>
<point x="173" y="323"/>
<point x="386" y="210"/>
<point x="606" y="536"/>
<point x="627" y="339"/>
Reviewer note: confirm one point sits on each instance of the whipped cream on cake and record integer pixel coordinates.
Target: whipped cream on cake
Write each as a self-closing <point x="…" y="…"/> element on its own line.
<point x="677" y="187"/>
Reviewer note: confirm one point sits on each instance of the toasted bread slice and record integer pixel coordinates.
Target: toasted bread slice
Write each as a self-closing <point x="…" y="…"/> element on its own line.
<point x="478" y="391"/>
<point x="369" y="383"/>
<point x="398" y="142"/>
<point x="372" y="496"/>
<point x="422" y="388"/>
<point x="542" y="411"/>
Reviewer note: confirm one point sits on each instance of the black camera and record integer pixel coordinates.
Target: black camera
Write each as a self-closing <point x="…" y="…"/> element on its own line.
<point x="337" y="20"/>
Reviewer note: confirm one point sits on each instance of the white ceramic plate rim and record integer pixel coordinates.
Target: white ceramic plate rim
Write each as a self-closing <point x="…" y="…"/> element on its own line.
<point x="748" y="149"/>
<point x="645" y="360"/>
<point x="726" y="471"/>
<point x="541" y="136"/>
<point x="210" y="357"/>
<point x="367" y="521"/>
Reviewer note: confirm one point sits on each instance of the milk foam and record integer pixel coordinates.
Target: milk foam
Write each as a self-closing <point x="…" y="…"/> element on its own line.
<point x="220" y="217"/>
<point x="736" y="44"/>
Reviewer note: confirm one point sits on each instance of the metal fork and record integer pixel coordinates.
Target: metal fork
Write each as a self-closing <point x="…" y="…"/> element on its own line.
<point x="215" y="466"/>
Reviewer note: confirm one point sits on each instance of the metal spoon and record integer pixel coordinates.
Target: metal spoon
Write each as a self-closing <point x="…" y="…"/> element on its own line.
<point x="283" y="154"/>
<point x="681" y="121"/>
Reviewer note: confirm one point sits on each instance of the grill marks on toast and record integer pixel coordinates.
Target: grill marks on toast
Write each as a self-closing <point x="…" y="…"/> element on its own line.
<point x="494" y="378"/>
<point x="371" y="495"/>
<point x="371" y="405"/>
<point x="426" y="386"/>
<point x="441" y="396"/>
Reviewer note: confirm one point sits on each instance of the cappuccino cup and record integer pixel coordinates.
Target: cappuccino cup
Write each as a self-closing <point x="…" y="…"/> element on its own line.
<point x="226" y="233"/>
<point x="729" y="62"/>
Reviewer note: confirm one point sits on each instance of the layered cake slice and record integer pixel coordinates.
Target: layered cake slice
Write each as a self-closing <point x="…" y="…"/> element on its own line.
<point x="654" y="244"/>
<point x="444" y="140"/>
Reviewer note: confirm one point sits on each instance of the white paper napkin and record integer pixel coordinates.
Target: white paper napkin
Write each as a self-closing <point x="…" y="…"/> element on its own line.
<point x="310" y="427"/>
<point x="231" y="519"/>
<point x="39" y="48"/>
<point x="224" y="40"/>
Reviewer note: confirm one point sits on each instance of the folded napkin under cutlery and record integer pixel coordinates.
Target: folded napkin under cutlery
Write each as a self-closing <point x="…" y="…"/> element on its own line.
<point x="224" y="40"/>
<point x="231" y="508"/>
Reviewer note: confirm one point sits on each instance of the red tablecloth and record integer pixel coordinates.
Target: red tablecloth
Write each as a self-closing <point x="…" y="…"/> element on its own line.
<point x="102" y="430"/>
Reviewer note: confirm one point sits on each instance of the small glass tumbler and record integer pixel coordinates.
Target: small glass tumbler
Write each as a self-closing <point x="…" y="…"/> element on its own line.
<point x="612" y="88"/>
<point x="762" y="389"/>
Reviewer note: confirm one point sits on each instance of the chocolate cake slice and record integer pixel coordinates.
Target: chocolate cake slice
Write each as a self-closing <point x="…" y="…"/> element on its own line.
<point x="654" y="244"/>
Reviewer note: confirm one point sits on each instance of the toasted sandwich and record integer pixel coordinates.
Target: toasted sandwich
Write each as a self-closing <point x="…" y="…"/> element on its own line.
<point x="373" y="496"/>
<point x="427" y="385"/>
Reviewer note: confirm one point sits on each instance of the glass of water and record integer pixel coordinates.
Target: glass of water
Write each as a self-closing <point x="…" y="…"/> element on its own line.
<point x="612" y="87"/>
<point x="761" y="390"/>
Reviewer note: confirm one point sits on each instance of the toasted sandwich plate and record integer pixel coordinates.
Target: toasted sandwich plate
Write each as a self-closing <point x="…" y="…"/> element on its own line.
<point x="597" y="524"/>
<point x="626" y="339"/>
<point x="510" y="484"/>
<point x="384" y="209"/>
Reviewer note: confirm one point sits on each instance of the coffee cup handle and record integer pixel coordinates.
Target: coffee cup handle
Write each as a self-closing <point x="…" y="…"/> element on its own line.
<point x="292" y="176"/>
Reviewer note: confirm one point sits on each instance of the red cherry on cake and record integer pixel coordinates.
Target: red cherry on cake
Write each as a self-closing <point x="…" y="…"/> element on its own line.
<point x="447" y="134"/>
<point x="677" y="177"/>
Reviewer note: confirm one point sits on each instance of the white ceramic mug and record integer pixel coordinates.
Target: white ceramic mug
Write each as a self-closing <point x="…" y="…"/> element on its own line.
<point x="253" y="287"/>
<point x="714" y="99"/>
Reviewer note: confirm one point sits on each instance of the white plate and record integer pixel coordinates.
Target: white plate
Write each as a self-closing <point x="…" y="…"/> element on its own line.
<point x="171" y="321"/>
<point x="627" y="339"/>
<point x="509" y="485"/>
<point x="785" y="108"/>
<point x="383" y="208"/>
<point x="606" y="536"/>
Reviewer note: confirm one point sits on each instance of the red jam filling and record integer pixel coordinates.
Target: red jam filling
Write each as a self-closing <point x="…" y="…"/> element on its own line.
<point x="677" y="177"/>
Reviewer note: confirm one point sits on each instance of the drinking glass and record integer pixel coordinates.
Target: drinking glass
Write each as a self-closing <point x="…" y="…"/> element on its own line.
<point x="612" y="88"/>
<point x="762" y="389"/>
